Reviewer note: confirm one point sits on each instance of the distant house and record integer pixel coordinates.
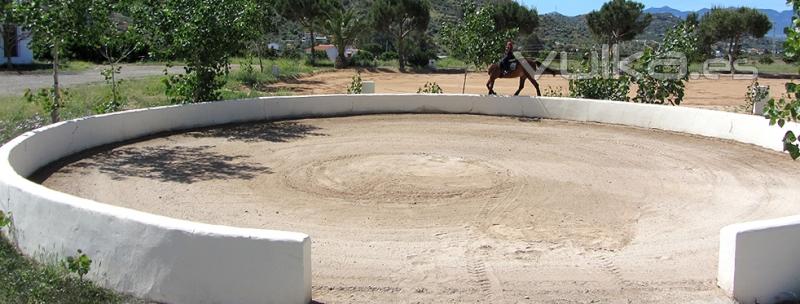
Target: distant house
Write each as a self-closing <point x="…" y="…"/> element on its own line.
<point x="15" y="45"/>
<point x="274" y="46"/>
<point x="332" y="51"/>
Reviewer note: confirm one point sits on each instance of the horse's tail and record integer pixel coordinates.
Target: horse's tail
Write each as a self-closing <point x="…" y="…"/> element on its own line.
<point x="538" y="65"/>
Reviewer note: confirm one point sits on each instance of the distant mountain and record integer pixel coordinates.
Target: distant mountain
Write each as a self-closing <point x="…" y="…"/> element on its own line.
<point x="780" y="20"/>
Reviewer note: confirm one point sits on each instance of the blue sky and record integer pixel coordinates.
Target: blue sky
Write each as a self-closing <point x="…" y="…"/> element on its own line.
<point x="577" y="7"/>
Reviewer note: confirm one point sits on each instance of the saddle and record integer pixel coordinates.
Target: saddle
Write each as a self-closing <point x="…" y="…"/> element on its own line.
<point x="512" y="65"/>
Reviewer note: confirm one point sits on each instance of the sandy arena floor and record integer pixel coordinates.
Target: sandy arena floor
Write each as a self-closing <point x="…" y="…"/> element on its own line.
<point x="451" y="209"/>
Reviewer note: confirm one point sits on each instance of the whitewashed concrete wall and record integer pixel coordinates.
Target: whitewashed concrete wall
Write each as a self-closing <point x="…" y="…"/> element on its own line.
<point x="183" y="262"/>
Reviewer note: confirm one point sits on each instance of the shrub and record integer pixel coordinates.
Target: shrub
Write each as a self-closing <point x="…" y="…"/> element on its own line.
<point x="389" y="55"/>
<point x="356" y="86"/>
<point x="553" y="92"/>
<point x="766" y="60"/>
<point x="373" y="48"/>
<point x="754" y="95"/>
<point x="599" y="87"/>
<point x="5" y="220"/>
<point x="430" y="88"/>
<point x="363" y="58"/>
<point x="79" y="264"/>
<point x="420" y="58"/>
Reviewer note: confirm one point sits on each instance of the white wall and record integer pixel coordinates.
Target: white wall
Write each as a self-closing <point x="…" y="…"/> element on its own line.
<point x="25" y="54"/>
<point x="183" y="262"/>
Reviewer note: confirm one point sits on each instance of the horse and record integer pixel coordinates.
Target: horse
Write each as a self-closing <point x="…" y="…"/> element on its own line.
<point x="519" y="72"/>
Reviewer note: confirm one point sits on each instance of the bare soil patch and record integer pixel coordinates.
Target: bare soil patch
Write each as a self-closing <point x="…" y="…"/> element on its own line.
<point x="725" y="93"/>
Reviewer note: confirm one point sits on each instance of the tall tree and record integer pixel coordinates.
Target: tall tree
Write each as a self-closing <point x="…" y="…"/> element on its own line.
<point x="475" y="39"/>
<point x="618" y="21"/>
<point x="510" y="14"/>
<point x="731" y="26"/>
<point x="344" y="26"/>
<point x="309" y="13"/>
<point x="204" y="34"/>
<point x="399" y="18"/>
<point x="54" y="24"/>
<point x="116" y="40"/>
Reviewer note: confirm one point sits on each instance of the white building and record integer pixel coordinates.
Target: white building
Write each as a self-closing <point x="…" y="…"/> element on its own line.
<point x="15" y="44"/>
<point x="333" y="52"/>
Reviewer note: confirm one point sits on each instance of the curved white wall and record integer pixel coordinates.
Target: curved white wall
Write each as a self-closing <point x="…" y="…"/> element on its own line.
<point x="177" y="261"/>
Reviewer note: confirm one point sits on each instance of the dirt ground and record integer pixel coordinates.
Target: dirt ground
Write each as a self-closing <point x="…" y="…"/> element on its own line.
<point x="725" y="93"/>
<point x="454" y="209"/>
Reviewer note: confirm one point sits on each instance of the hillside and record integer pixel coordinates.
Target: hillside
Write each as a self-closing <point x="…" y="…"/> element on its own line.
<point x="780" y="20"/>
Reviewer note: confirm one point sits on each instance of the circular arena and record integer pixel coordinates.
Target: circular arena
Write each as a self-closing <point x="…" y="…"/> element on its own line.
<point x="534" y="200"/>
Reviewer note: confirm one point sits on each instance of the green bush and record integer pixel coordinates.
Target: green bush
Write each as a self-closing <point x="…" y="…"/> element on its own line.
<point x="388" y="56"/>
<point x="430" y="88"/>
<point x="373" y="48"/>
<point x="420" y="58"/>
<point x="356" y="86"/>
<point x="363" y="58"/>
<point x="599" y="87"/>
<point x="766" y="60"/>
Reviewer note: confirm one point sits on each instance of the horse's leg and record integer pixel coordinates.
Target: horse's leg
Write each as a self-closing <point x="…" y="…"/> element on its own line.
<point x="490" y="85"/>
<point x="535" y="85"/>
<point x="521" y="85"/>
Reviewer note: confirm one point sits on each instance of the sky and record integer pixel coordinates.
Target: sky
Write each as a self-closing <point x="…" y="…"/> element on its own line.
<point x="578" y="7"/>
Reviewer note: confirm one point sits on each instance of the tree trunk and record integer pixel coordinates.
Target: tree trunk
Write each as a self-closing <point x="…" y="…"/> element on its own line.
<point x="114" y="95"/>
<point x="260" y="53"/>
<point x="731" y="55"/>
<point x="341" y="59"/>
<point x="464" y="87"/>
<point x="313" y="42"/>
<point x="401" y="53"/>
<point x="54" y="117"/>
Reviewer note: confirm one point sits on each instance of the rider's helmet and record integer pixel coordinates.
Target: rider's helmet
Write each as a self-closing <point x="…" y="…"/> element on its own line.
<point x="509" y="46"/>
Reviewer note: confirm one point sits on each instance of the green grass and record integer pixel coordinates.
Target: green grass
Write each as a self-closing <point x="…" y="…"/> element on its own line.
<point x="25" y="281"/>
<point x="779" y="67"/>
<point x="450" y="63"/>
<point x="18" y="116"/>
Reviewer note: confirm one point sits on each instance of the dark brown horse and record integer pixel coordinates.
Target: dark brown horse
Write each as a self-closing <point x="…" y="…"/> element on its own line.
<point x="519" y="72"/>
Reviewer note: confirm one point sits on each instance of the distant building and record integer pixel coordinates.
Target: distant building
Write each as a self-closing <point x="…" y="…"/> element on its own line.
<point x="15" y="45"/>
<point x="332" y="51"/>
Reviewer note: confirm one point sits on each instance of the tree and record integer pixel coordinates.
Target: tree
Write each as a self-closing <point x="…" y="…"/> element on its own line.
<point x="204" y="34"/>
<point x="268" y="24"/>
<point x="399" y="18"/>
<point x="344" y="26"/>
<point x="733" y="25"/>
<point x="618" y="21"/>
<point x="510" y="14"/>
<point x="53" y="25"/>
<point x="116" y="40"/>
<point x="475" y="39"/>
<point x="309" y="13"/>
<point x="661" y="83"/>
<point x="781" y="111"/>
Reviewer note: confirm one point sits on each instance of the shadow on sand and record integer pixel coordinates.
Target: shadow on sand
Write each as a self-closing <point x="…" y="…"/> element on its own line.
<point x="277" y="131"/>
<point x="171" y="164"/>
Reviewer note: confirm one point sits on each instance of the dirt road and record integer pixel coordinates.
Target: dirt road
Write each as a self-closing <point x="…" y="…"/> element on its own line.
<point x="463" y="209"/>
<point x="13" y="83"/>
<point x="724" y="93"/>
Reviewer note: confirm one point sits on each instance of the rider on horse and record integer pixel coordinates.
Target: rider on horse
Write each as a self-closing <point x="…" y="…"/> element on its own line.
<point x="505" y="63"/>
